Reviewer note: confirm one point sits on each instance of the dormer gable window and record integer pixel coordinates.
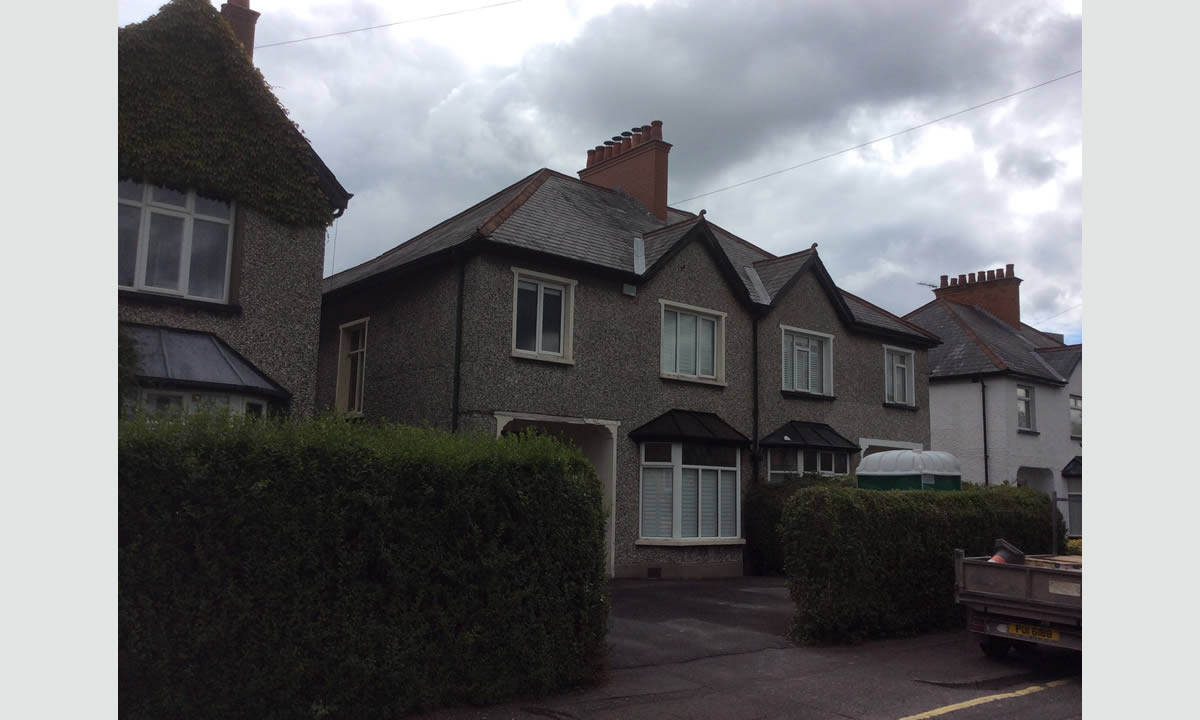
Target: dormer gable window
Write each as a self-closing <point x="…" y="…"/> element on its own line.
<point x="173" y="243"/>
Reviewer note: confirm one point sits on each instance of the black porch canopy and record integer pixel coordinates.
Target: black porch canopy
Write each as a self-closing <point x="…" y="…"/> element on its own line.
<point x="810" y="435"/>
<point x="679" y="425"/>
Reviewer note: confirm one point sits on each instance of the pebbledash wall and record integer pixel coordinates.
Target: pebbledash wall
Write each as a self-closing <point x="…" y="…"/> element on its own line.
<point x="615" y="377"/>
<point x="409" y="367"/>
<point x="857" y="409"/>
<point x="274" y="307"/>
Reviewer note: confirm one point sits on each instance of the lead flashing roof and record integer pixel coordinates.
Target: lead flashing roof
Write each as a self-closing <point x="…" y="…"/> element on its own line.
<point x="167" y="356"/>
<point x="811" y="435"/>
<point x="679" y="425"/>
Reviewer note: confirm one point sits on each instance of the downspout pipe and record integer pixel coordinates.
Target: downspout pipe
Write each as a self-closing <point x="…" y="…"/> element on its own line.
<point x="461" y="262"/>
<point x="983" y="407"/>
<point x="754" y="404"/>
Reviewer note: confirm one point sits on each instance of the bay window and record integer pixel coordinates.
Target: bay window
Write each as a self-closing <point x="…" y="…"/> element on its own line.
<point x="174" y="243"/>
<point x="689" y="491"/>
<point x="785" y="462"/>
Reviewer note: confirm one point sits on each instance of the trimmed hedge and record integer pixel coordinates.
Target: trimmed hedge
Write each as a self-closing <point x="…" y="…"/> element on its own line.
<point x="273" y="569"/>
<point x="871" y="564"/>
<point x="761" y="510"/>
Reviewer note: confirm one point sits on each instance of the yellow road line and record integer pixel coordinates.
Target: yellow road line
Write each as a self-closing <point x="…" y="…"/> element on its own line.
<point x="987" y="699"/>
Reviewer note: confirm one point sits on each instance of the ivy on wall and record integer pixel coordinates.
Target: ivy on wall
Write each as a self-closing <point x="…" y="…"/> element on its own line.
<point x="194" y="112"/>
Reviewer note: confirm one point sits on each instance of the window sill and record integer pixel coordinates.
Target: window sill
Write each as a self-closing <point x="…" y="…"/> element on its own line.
<point x="667" y="542"/>
<point x="147" y="298"/>
<point x="689" y="379"/>
<point x="901" y="406"/>
<point x="806" y="395"/>
<point x="543" y="357"/>
<point x="1023" y="431"/>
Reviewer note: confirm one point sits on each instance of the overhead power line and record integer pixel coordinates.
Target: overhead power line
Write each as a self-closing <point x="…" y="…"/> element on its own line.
<point x="880" y="139"/>
<point x="1064" y="312"/>
<point x="387" y="25"/>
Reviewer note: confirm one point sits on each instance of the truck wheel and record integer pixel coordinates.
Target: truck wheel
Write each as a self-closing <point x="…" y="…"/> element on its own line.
<point x="995" y="647"/>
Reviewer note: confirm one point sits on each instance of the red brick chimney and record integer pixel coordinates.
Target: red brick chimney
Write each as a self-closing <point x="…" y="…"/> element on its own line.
<point x="242" y="19"/>
<point x="635" y="162"/>
<point x="997" y="291"/>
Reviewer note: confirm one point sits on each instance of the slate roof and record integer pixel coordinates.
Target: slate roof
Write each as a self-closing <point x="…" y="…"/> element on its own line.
<point x="689" y="425"/>
<point x="819" y="436"/>
<point x="1063" y="358"/>
<point x="196" y="359"/>
<point x="975" y="342"/>
<point x="559" y="215"/>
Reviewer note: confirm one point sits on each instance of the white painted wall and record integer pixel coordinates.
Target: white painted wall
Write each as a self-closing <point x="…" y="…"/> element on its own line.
<point x="956" y="426"/>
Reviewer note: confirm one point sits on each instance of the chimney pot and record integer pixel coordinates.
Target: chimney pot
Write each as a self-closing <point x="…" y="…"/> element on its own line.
<point x="626" y="140"/>
<point x="991" y="275"/>
<point x="647" y="133"/>
<point x="1008" y="270"/>
<point x="617" y="147"/>
<point x="999" y="273"/>
<point x="962" y="279"/>
<point x="970" y="277"/>
<point x="591" y="158"/>
<point x="953" y="282"/>
<point x="944" y="281"/>
<point x="637" y="136"/>
<point x="656" y="129"/>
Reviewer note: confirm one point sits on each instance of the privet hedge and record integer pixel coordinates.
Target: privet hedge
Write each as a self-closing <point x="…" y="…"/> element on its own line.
<point x="870" y="564"/>
<point x="275" y="569"/>
<point x="762" y="509"/>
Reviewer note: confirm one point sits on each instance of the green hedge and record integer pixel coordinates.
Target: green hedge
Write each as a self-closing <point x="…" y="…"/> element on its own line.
<point x="869" y="564"/>
<point x="761" y="510"/>
<point x="275" y="569"/>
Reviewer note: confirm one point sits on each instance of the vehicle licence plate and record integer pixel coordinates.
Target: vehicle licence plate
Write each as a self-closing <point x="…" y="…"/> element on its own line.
<point x="1032" y="631"/>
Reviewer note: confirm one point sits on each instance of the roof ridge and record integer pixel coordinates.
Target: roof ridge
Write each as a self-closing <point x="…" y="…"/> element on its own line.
<point x="1059" y="348"/>
<point x="743" y="241"/>
<point x="987" y="349"/>
<point x="784" y="257"/>
<point x="1039" y="332"/>
<point x="918" y="328"/>
<point x="910" y="313"/>
<point x="497" y="219"/>
<point x="672" y="226"/>
<point x="430" y="229"/>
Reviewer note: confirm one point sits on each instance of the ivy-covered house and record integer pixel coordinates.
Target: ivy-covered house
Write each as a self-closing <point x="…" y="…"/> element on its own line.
<point x="222" y="207"/>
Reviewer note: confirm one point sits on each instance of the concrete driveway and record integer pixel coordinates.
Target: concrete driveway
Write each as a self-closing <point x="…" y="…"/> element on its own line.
<point x="717" y="649"/>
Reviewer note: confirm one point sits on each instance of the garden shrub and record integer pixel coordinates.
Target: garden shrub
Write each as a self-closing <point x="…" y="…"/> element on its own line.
<point x="284" y="569"/>
<point x="1075" y="546"/>
<point x="870" y="564"/>
<point x="761" y="511"/>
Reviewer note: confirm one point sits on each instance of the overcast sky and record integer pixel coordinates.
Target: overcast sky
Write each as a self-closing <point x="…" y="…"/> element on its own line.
<point x="424" y="119"/>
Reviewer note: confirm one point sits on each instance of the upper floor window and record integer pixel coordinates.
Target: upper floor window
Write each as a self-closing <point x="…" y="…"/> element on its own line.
<point x="1076" y="416"/>
<point x="689" y="491"/>
<point x="173" y="242"/>
<point x="543" y="310"/>
<point x="352" y="366"/>
<point x="898" y="375"/>
<point x="807" y="361"/>
<point x="1025" y="407"/>
<point x="693" y="342"/>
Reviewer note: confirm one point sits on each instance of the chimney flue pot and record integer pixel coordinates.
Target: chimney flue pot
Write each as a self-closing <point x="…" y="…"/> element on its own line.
<point x="945" y="280"/>
<point x="1008" y="270"/>
<point x="991" y="274"/>
<point x="970" y="277"/>
<point x="656" y="129"/>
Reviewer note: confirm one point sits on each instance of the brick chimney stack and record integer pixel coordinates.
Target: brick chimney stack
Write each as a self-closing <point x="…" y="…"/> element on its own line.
<point x="636" y="162"/>
<point x="997" y="291"/>
<point x="242" y="19"/>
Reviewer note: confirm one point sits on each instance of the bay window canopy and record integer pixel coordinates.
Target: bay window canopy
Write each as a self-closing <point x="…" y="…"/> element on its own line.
<point x="689" y="425"/>
<point x="810" y="436"/>
<point x="200" y="360"/>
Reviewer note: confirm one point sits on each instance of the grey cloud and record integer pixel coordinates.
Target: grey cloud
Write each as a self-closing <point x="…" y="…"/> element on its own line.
<point x="1028" y="165"/>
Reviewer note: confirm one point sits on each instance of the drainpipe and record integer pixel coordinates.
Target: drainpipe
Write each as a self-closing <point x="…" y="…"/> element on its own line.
<point x="458" y="321"/>
<point x="983" y="406"/>
<point x="754" y="438"/>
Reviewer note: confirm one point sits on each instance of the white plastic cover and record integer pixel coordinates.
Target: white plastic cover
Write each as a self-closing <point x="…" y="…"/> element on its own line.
<point x="909" y="462"/>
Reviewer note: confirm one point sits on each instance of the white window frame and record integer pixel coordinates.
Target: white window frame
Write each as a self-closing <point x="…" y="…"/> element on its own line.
<point x="1071" y="530"/>
<point x="342" y="392"/>
<point x="566" y="324"/>
<point x="889" y="367"/>
<point x="718" y="319"/>
<point x="1070" y="420"/>
<point x="798" y="452"/>
<point x="826" y="359"/>
<point x="188" y="214"/>
<point x="1032" y="412"/>
<point x="677" y="467"/>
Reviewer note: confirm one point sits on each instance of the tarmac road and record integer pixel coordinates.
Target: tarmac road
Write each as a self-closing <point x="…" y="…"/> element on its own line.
<point x="717" y="649"/>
